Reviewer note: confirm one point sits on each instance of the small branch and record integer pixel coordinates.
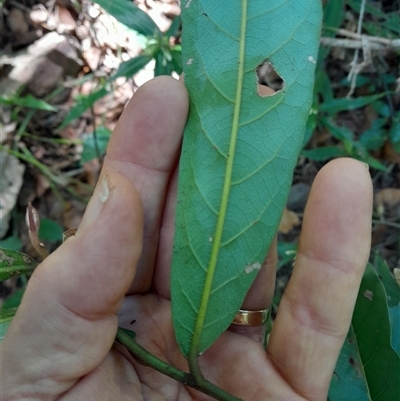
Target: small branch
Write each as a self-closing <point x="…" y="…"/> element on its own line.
<point x="356" y="67"/>
<point x="374" y="43"/>
<point x="374" y="39"/>
<point x="149" y="359"/>
<point x="386" y="223"/>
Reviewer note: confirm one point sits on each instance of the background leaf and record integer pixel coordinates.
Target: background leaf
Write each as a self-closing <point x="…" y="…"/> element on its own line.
<point x="27" y="101"/>
<point x="325" y="153"/>
<point x="335" y="105"/>
<point x="13" y="263"/>
<point x="368" y="367"/>
<point x="239" y="151"/>
<point x="15" y="299"/>
<point x="130" y="15"/>
<point x="132" y="66"/>
<point x="13" y="242"/>
<point x="371" y="325"/>
<point x="392" y="290"/>
<point x="6" y="316"/>
<point x="50" y="230"/>
<point x="83" y="102"/>
<point x="89" y="151"/>
<point x="348" y="381"/>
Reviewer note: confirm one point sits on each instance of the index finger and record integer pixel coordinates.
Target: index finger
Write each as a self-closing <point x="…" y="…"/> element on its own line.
<point x="144" y="147"/>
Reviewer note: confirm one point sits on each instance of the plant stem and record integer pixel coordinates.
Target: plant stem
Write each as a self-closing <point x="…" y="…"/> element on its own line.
<point x="187" y="379"/>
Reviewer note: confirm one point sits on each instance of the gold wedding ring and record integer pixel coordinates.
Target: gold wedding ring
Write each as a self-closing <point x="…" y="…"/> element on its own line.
<point x="251" y="317"/>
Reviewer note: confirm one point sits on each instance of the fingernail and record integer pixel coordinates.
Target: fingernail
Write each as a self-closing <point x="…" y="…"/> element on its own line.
<point x="366" y="165"/>
<point x="96" y="204"/>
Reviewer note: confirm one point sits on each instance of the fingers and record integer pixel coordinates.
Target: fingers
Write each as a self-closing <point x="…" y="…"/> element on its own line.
<point x="161" y="279"/>
<point x="315" y="312"/>
<point x="144" y="148"/>
<point x="67" y="321"/>
<point x="262" y="290"/>
<point x="260" y="294"/>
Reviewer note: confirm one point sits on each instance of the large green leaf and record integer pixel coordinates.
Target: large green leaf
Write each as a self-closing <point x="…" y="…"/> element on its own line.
<point x="239" y="151"/>
<point x="368" y="367"/>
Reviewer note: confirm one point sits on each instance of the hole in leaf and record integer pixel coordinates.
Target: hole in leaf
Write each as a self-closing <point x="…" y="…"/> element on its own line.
<point x="269" y="81"/>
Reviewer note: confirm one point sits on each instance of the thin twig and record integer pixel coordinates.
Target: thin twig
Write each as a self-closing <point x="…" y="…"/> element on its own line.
<point x="354" y="35"/>
<point x="359" y="43"/>
<point x="356" y="68"/>
<point x="386" y="223"/>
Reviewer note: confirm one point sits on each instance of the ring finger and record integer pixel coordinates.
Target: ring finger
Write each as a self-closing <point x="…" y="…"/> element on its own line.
<point x="255" y="307"/>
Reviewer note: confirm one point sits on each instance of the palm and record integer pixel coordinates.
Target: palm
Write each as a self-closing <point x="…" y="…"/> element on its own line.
<point x="60" y="345"/>
<point x="234" y="362"/>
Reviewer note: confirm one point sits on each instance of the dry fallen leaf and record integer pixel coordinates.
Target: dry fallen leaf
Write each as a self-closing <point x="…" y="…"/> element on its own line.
<point x="390" y="154"/>
<point x="387" y="201"/>
<point x="396" y="273"/>
<point x="288" y="221"/>
<point x="12" y="171"/>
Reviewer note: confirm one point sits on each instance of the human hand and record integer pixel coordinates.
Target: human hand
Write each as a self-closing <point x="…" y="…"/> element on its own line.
<point x="60" y="344"/>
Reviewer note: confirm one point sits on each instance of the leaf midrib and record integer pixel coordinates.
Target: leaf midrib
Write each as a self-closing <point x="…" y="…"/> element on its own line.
<point x="194" y="348"/>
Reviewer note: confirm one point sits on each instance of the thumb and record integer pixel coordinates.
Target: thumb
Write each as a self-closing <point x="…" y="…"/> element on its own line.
<point x="67" y="320"/>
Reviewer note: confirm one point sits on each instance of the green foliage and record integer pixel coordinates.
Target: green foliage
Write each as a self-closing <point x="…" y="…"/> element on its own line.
<point x="348" y="382"/>
<point x="130" y="15"/>
<point x="132" y="66"/>
<point x="15" y="299"/>
<point x="12" y="242"/>
<point x="13" y="264"/>
<point x="349" y="146"/>
<point x="158" y="46"/>
<point x="324" y="153"/>
<point x="333" y="106"/>
<point x="368" y="367"/>
<point x="394" y="132"/>
<point x="95" y="146"/>
<point x="27" y="101"/>
<point x="50" y="230"/>
<point x="333" y="14"/>
<point x="83" y="103"/>
<point x="238" y="154"/>
<point x="393" y="298"/>
<point x="384" y="24"/>
<point x="327" y="107"/>
<point x="6" y="316"/>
